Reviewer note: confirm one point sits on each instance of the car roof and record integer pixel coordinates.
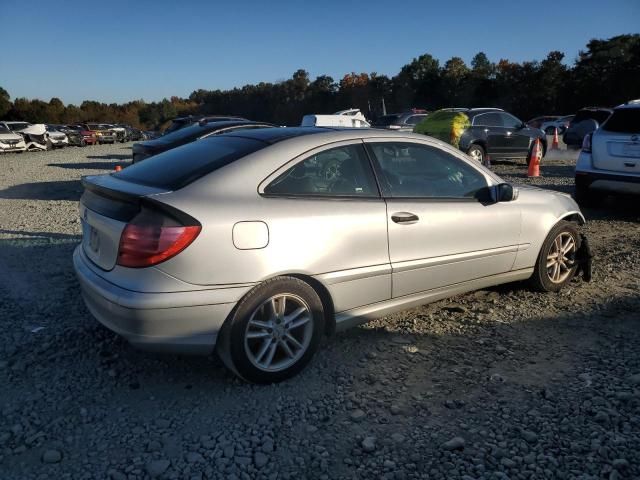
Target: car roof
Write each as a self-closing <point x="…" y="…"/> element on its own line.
<point x="605" y="109"/>
<point x="324" y="134"/>
<point x="630" y="104"/>
<point x="277" y="134"/>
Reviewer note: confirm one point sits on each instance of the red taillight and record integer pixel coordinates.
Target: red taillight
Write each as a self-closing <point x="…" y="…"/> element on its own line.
<point x="586" y="143"/>
<point x="147" y="245"/>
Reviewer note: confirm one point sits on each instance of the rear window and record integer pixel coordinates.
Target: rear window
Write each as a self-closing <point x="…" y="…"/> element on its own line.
<point x="180" y="166"/>
<point x="625" y="120"/>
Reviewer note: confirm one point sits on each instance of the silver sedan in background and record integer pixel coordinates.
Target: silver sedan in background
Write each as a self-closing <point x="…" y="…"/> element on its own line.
<point x="257" y="243"/>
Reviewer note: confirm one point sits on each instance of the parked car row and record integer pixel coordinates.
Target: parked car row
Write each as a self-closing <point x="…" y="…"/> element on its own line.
<point x="20" y="136"/>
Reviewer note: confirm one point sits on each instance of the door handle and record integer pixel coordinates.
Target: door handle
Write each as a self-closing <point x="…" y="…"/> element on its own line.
<point x="405" y="217"/>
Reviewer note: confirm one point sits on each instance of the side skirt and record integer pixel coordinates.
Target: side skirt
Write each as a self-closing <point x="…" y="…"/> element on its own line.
<point x="357" y="316"/>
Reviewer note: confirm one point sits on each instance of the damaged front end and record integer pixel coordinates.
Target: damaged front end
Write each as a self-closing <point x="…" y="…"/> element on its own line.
<point x="35" y="137"/>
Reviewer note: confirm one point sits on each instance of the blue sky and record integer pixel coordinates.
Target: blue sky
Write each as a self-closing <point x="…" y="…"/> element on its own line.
<point x="117" y="50"/>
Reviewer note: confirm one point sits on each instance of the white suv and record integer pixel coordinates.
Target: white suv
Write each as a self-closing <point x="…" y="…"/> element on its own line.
<point x="610" y="158"/>
<point x="9" y="141"/>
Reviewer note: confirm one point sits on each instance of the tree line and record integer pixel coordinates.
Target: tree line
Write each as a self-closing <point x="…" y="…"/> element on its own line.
<point x="606" y="73"/>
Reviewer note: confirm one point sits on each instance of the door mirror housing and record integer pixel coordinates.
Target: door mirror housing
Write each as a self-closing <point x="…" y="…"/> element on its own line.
<point x="504" y="192"/>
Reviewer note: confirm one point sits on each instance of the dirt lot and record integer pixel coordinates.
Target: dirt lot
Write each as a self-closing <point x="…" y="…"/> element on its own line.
<point x="500" y="383"/>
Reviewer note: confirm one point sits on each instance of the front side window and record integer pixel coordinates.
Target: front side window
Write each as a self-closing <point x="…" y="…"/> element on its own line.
<point x="488" y="120"/>
<point x="340" y="171"/>
<point x="422" y="171"/>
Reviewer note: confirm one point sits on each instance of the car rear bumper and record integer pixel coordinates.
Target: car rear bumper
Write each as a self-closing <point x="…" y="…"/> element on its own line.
<point x="145" y="320"/>
<point x="618" y="182"/>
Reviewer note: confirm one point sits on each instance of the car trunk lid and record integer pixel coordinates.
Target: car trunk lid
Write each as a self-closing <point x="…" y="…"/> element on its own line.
<point x="106" y="206"/>
<point x="619" y="153"/>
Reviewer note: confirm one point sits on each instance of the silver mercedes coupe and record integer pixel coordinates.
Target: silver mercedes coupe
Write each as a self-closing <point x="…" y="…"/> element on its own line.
<point x="257" y="243"/>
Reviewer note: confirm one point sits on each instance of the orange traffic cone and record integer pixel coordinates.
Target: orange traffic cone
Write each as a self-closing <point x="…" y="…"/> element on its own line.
<point x="534" y="160"/>
<point x="554" y="145"/>
<point x="118" y="168"/>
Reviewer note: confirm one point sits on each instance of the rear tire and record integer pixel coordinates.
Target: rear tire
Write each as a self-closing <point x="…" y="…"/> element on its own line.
<point x="273" y="332"/>
<point x="556" y="264"/>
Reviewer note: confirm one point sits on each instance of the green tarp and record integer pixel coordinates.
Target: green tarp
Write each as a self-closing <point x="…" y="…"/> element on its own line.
<point x="444" y="125"/>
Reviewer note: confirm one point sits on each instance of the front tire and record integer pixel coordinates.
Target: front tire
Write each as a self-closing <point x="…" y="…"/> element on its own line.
<point x="477" y="153"/>
<point x="556" y="264"/>
<point x="273" y="332"/>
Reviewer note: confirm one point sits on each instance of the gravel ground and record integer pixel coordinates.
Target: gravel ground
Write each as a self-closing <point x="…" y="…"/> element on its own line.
<point x="499" y="383"/>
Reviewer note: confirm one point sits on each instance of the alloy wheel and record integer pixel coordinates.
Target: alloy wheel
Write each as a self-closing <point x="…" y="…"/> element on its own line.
<point x="561" y="257"/>
<point x="278" y="333"/>
<point x="476" y="154"/>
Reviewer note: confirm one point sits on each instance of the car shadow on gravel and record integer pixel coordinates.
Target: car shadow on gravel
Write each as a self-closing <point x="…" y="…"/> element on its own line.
<point x="58" y="190"/>
<point x="88" y="165"/>
<point x="112" y="156"/>
<point x="47" y="235"/>
<point x="615" y="208"/>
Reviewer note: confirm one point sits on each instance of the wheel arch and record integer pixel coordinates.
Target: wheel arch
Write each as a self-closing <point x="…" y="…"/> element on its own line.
<point x="325" y="298"/>
<point x="318" y="287"/>
<point x="575" y="217"/>
<point x="480" y="142"/>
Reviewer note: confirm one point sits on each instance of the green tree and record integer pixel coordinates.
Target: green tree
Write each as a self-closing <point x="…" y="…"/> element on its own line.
<point x="5" y="102"/>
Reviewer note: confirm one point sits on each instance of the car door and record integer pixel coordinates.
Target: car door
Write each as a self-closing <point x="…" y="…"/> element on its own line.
<point x="440" y="232"/>
<point x="517" y="135"/>
<point x="497" y="141"/>
<point x="327" y="214"/>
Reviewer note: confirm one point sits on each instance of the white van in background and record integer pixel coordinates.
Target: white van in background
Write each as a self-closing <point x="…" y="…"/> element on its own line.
<point x="344" y="118"/>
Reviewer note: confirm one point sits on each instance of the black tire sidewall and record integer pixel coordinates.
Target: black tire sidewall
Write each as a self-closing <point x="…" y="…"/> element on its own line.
<point x="540" y="277"/>
<point x="233" y="337"/>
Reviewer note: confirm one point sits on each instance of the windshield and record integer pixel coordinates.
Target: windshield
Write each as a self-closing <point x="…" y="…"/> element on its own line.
<point x="4" y="129"/>
<point x="18" y="126"/>
<point x="386" y="120"/>
<point x="625" y="120"/>
<point x="180" y="166"/>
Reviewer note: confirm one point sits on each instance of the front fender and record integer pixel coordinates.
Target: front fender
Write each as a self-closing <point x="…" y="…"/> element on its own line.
<point x="541" y="211"/>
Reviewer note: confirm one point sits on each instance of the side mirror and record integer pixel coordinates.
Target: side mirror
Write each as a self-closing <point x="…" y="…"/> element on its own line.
<point x="504" y="192"/>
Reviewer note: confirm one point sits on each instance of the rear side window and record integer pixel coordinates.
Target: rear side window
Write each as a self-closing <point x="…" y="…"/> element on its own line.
<point x="415" y="119"/>
<point x="625" y="120"/>
<point x="337" y="172"/>
<point x="488" y="120"/>
<point x="180" y="166"/>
